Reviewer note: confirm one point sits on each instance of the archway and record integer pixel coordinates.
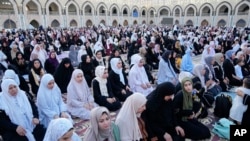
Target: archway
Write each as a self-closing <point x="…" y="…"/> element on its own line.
<point x="88" y="10"/>
<point x="135" y="22"/>
<point x="53" y="9"/>
<point x="176" y="21"/>
<point x="72" y="9"/>
<point x="103" y="22"/>
<point x="241" y="23"/>
<point x="9" y="24"/>
<point x="221" y="22"/>
<point x="204" y="23"/>
<point x="73" y="23"/>
<point x="151" y="22"/>
<point x="55" y="23"/>
<point x="34" y="23"/>
<point x="125" y="23"/>
<point x="189" y="23"/>
<point x="143" y="22"/>
<point x="114" y="23"/>
<point x="89" y="23"/>
<point x="31" y="8"/>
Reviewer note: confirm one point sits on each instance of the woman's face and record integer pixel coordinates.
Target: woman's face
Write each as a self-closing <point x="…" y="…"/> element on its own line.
<point x="222" y="59"/>
<point x="37" y="64"/>
<point x="203" y="71"/>
<point x="99" y="55"/>
<point x="117" y="53"/>
<point x="141" y="109"/>
<point x="51" y="84"/>
<point x="88" y="59"/>
<point x="141" y="63"/>
<point x="119" y="64"/>
<point x="13" y="90"/>
<point x="38" y="48"/>
<point x="67" y="136"/>
<point x="212" y="62"/>
<point x="104" y="122"/>
<point x="188" y="86"/>
<point x="168" y="97"/>
<point x="19" y="56"/>
<point x="79" y="77"/>
<point x="105" y="74"/>
<point x="66" y="65"/>
<point x="53" y="55"/>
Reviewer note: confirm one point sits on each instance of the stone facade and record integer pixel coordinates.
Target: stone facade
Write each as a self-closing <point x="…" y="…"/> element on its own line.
<point x="78" y="13"/>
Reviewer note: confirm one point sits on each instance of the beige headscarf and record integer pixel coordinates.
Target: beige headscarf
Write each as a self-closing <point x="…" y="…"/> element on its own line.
<point x="130" y="130"/>
<point x="94" y="133"/>
<point x="99" y="71"/>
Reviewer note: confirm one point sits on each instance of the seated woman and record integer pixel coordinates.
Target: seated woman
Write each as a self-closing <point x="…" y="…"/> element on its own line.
<point x="101" y="128"/>
<point x="209" y="75"/>
<point x="80" y="101"/>
<point x="88" y="68"/>
<point x="38" y="53"/>
<point x="131" y="110"/>
<point x="188" y="108"/>
<point x="118" y="80"/>
<point x="159" y="114"/>
<point x="229" y="70"/>
<point x="63" y="74"/>
<point x="186" y="68"/>
<point x="219" y="72"/>
<point x="115" y="54"/>
<point x="61" y="129"/>
<point x="49" y="101"/>
<point x="51" y="63"/>
<point x="73" y="53"/>
<point x="137" y="77"/>
<point x="20" y="63"/>
<point x="19" y="119"/>
<point x="99" y="60"/>
<point x="102" y="90"/>
<point x="166" y="72"/>
<point x="35" y="75"/>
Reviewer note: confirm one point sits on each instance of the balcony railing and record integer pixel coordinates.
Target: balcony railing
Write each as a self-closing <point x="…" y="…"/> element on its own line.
<point x="125" y="14"/>
<point x="72" y="13"/>
<point x="242" y="13"/>
<point x="190" y="14"/>
<point x="177" y="14"/>
<point x="53" y="12"/>
<point x="114" y="14"/>
<point x="33" y="12"/>
<point x="223" y="14"/>
<point x="7" y="12"/>
<point x="88" y="14"/>
<point x="205" y="14"/>
<point x="102" y="14"/>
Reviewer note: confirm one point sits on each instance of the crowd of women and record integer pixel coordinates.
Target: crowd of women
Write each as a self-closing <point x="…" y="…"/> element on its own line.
<point x="41" y="91"/>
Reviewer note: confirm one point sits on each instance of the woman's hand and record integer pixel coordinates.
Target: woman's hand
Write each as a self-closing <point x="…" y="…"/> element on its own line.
<point x="179" y="131"/>
<point x="20" y="131"/>
<point x="64" y="115"/>
<point x="35" y="121"/>
<point x="167" y="137"/>
<point x="191" y="116"/>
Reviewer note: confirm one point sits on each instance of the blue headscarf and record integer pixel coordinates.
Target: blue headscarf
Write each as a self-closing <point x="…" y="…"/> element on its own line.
<point x="186" y="62"/>
<point x="229" y="54"/>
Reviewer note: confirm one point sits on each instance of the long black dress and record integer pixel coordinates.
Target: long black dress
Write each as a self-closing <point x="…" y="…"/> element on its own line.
<point x="63" y="75"/>
<point x="88" y="69"/>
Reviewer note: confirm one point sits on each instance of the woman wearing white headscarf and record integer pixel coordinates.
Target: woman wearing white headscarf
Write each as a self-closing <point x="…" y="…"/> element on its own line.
<point x="81" y="52"/>
<point x="129" y="117"/>
<point x="208" y="51"/>
<point x="18" y="115"/>
<point x="59" y="130"/>
<point x="49" y="101"/>
<point x="101" y="131"/>
<point x="80" y="101"/>
<point x="118" y="80"/>
<point x="102" y="90"/>
<point x="138" y="79"/>
<point x="38" y="53"/>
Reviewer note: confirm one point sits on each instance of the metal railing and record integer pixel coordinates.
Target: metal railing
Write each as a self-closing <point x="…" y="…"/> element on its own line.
<point x="222" y="14"/>
<point x="190" y="14"/>
<point x="205" y="14"/>
<point x="53" y="12"/>
<point x="242" y="13"/>
<point x="72" y="13"/>
<point x="33" y="12"/>
<point x="88" y="14"/>
<point x="7" y="12"/>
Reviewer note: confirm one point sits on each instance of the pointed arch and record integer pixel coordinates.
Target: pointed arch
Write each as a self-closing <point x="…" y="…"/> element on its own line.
<point x="179" y="7"/>
<point x="69" y="3"/>
<point x="135" y="22"/>
<point x="117" y="9"/>
<point x="88" y="4"/>
<point x="125" y="7"/>
<point x="144" y="11"/>
<point x="187" y="8"/>
<point x="210" y="6"/>
<point x="102" y="6"/>
<point x="89" y="23"/>
<point x="164" y="8"/>
<point x="38" y="4"/>
<point x="13" y="10"/>
<point x="222" y="22"/>
<point x="240" y="10"/>
<point x="125" y="23"/>
<point x="9" y="24"/>
<point x="103" y="22"/>
<point x="34" y="23"/>
<point x="49" y="2"/>
<point x="189" y="22"/>
<point x="224" y="3"/>
<point x="204" y="22"/>
<point x="55" y="23"/>
<point x="241" y="23"/>
<point x="114" y="23"/>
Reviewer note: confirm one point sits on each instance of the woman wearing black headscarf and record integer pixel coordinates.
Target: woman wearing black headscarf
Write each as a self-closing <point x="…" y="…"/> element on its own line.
<point x="88" y="68"/>
<point x="63" y="74"/>
<point x="159" y="114"/>
<point x="35" y="75"/>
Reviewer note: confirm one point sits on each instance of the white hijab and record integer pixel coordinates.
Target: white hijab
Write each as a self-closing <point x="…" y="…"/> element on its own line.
<point x="113" y="63"/>
<point x="52" y="97"/>
<point x="41" y="54"/>
<point x="17" y="107"/>
<point x="130" y="130"/>
<point x="81" y="52"/>
<point x="198" y="72"/>
<point x="10" y="74"/>
<point x="99" y="71"/>
<point x="57" y="128"/>
<point x="80" y="89"/>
